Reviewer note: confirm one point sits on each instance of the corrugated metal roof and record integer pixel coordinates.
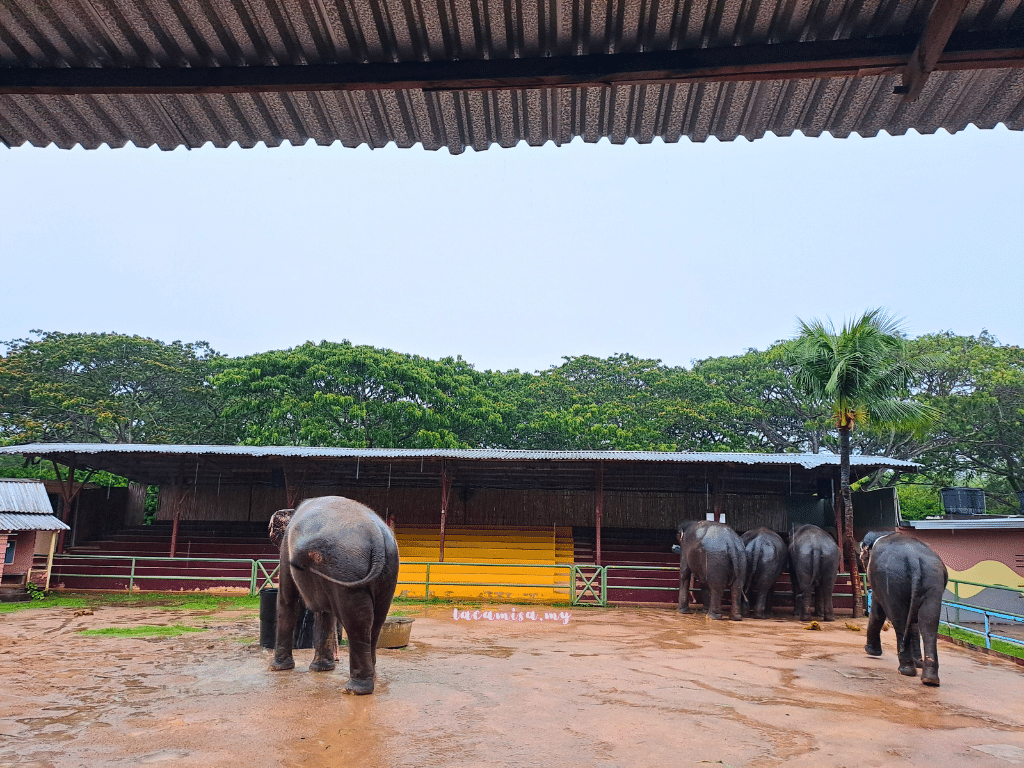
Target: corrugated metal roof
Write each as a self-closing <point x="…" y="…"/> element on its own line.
<point x="13" y="522"/>
<point x="979" y="522"/>
<point x="805" y="460"/>
<point x="24" y="497"/>
<point x="209" y="33"/>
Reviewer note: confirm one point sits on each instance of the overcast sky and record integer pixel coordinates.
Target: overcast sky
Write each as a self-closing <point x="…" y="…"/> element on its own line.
<point x="514" y="258"/>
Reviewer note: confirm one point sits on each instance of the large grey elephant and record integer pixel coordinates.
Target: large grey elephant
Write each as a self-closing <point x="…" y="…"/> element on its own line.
<point x="813" y="568"/>
<point x="766" y="559"/>
<point x="714" y="553"/>
<point x="907" y="582"/>
<point x="342" y="560"/>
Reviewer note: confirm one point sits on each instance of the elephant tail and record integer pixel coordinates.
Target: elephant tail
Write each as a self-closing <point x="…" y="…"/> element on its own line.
<point x="916" y="599"/>
<point x="378" y="559"/>
<point x="742" y="568"/>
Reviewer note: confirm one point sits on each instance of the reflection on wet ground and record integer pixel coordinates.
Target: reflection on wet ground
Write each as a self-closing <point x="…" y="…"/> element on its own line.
<point x="618" y="687"/>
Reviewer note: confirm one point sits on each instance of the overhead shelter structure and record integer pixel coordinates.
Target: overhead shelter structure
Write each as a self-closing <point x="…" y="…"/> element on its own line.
<point x="186" y="73"/>
<point x="509" y="490"/>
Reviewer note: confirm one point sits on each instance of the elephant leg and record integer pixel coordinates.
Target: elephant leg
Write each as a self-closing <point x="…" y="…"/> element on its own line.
<point x="356" y="611"/>
<point x="288" y="606"/>
<point x="928" y="622"/>
<point x="325" y="643"/>
<point x="381" y="606"/>
<point x="914" y="641"/>
<point x="715" y="591"/>
<point x="761" y="605"/>
<point x="828" y="611"/>
<point x="684" y="587"/>
<point x="874" y="634"/>
<point x="736" y="594"/>
<point x="900" y="625"/>
<point x="806" y="598"/>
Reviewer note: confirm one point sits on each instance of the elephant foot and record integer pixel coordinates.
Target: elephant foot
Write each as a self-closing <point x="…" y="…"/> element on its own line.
<point x="715" y="616"/>
<point x="930" y="676"/>
<point x="685" y="610"/>
<point x="358" y="687"/>
<point x="279" y="665"/>
<point x="826" y="617"/>
<point x="759" y="615"/>
<point x="873" y="650"/>
<point x="737" y="617"/>
<point x="322" y="665"/>
<point x="908" y="669"/>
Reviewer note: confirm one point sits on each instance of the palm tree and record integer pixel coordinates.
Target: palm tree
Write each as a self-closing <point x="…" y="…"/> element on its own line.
<point x="863" y="372"/>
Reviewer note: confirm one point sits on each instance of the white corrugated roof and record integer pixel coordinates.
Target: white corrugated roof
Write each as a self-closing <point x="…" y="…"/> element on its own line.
<point x="805" y="460"/>
<point x="27" y="497"/>
<point x="13" y="522"/>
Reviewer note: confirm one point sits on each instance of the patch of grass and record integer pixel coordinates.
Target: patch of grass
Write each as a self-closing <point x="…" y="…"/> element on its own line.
<point x="975" y="638"/>
<point x="185" y="601"/>
<point x="142" y="631"/>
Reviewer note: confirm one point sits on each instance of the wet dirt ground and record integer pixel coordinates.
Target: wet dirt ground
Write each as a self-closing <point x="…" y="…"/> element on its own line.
<point x="609" y="687"/>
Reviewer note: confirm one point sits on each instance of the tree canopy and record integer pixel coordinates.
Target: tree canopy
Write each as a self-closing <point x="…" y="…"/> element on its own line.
<point x="109" y="387"/>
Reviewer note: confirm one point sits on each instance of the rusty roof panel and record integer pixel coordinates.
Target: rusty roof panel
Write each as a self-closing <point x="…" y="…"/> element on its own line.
<point x="205" y="33"/>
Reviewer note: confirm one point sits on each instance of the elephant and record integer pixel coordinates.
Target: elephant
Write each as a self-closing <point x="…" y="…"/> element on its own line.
<point x="907" y="582"/>
<point x="767" y="558"/>
<point x="714" y="553"/>
<point x="813" y="568"/>
<point x="339" y="557"/>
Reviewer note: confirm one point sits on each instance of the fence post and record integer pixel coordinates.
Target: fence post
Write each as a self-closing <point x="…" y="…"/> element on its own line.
<point x="956" y="594"/>
<point x="252" y="578"/>
<point x="131" y="578"/>
<point x="426" y="585"/>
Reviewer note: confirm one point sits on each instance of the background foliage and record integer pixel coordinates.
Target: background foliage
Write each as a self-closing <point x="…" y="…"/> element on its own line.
<point x="115" y="388"/>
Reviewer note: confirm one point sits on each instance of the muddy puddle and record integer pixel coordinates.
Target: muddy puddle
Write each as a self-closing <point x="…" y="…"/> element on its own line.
<point x="617" y="687"/>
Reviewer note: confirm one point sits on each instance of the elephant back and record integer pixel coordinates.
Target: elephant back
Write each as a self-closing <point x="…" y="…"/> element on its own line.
<point x="340" y="540"/>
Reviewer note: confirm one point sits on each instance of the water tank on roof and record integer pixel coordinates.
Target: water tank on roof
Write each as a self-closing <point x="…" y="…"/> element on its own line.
<point x="963" y="501"/>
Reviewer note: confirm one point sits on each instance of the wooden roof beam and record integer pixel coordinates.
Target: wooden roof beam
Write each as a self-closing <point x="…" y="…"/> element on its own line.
<point x="782" y="61"/>
<point x="941" y="22"/>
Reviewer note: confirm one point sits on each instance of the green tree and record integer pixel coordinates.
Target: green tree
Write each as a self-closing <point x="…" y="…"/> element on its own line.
<point x="770" y="412"/>
<point x="979" y="392"/>
<point x="589" y="403"/>
<point x="340" y="394"/>
<point x="108" y="388"/>
<point x="862" y="372"/>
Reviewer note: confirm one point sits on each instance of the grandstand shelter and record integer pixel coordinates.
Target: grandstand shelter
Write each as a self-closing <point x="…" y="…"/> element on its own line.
<point x="590" y="494"/>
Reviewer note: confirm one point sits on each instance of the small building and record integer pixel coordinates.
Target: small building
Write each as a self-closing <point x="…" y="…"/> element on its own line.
<point x="978" y="549"/>
<point x="28" y="535"/>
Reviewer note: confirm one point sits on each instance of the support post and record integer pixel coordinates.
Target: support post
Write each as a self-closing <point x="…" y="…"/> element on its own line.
<point x="837" y="508"/>
<point x="177" y="517"/>
<point x="49" y="559"/>
<point x="446" y="487"/>
<point x="599" y="510"/>
<point x="68" y="492"/>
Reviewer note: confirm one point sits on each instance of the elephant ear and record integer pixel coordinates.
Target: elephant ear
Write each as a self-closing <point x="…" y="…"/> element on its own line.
<point x="278" y="522"/>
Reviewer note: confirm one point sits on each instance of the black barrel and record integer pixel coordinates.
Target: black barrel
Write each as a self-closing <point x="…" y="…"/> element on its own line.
<point x="268" y="622"/>
<point x="268" y="617"/>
